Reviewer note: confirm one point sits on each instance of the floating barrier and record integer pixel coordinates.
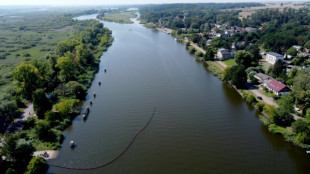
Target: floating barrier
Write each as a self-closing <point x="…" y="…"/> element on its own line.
<point x="117" y="157"/>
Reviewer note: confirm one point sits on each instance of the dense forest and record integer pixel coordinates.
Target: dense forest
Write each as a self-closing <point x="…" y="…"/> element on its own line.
<point x="280" y="29"/>
<point x="54" y="83"/>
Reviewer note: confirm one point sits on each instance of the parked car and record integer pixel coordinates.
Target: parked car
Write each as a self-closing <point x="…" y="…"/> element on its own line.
<point x="260" y="97"/>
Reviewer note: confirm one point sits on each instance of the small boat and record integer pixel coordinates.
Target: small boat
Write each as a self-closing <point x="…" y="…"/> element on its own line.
<point x="94" y="94"/>
<point x="308" y="151"/>
<point x="105" y="70"/>
<point x="86" y="113"/>
<point x="72" y="144"/>
<point x="99" y="83"/>
<point x="90" y="102"/>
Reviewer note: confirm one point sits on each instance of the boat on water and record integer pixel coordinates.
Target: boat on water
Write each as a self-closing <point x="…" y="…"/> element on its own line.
<point x="86" y="113"/>
<point x="308" y="151"/>
<point x="72" y="144"/>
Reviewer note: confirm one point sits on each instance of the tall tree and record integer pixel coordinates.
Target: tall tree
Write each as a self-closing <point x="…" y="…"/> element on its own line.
<point x="244" y="58"/>
<point x="41" y="103"/>
<point x="67" y="69"/>
<point x="28" y="78"/>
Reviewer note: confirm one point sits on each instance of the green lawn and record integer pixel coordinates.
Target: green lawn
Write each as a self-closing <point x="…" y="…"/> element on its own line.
<point x="230" y="62"/>
<point x="120" y="17"/>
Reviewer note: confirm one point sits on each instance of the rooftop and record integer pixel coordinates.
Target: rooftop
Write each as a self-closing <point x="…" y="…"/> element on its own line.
<point x="274" y="54"/>
<point x="278" y="86"/>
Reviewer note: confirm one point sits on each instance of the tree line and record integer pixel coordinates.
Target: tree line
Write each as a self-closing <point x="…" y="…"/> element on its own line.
<point x="55" y="86"/>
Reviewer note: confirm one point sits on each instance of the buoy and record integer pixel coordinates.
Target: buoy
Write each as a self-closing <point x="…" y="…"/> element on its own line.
<point x="71" y="143"/>
<point x="99" y="83"/>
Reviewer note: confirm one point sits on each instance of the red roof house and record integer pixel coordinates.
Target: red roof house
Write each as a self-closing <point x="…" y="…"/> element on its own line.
<point x="278" y="87"/>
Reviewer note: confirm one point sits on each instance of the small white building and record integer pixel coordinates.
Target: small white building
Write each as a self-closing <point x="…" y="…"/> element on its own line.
<point x="273" y="57"/>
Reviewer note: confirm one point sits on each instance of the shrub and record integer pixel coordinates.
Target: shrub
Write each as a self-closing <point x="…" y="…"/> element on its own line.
<point x="37" y="165"/>
<point x="300" y="126"/>
<point x="251" y="99"/>
<point x="260" y="106"/>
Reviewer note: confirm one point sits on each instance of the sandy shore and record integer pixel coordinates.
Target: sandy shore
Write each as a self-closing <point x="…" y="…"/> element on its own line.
<point x="52" y="154"/>
<point x="165" y="30"/>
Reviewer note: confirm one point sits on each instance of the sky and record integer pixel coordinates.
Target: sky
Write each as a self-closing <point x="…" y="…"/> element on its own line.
<point x="109" y="2"/>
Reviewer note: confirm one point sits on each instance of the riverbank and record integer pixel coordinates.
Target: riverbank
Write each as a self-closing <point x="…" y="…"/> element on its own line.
<point x="262" y="105"/>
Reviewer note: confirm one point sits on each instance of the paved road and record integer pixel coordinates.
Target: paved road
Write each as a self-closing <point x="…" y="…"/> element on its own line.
<point x="266" y="99"/>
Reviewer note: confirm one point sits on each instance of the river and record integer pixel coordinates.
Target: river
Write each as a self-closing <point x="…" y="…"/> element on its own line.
<point x="201" y="125"/>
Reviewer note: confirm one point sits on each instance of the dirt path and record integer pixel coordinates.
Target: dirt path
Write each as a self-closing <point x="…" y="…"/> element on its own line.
<point x="17" y="125"/>
<point x="198" y="48"/>
<point x="222" y="64"/>
<point x="28" y="112"/>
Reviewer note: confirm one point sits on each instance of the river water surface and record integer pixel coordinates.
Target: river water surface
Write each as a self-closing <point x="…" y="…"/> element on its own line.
<point x="201" y="125"/>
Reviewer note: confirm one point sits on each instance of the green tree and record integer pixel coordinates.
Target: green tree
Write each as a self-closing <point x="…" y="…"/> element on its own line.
<point x="8" y="110"/>
<point x="237" y="75"/>
<point x="278" y="68"/>
<point x="83" y="55"/>
<point x="282" y="117"/>
<point x="41" y="103"/>
<point x="9" y="146"/>
<point x="300" y="126"/>
<point x="307" y="44"/>
<point x="194" y="38"/>
<point x="286" y="102"/>
<point x="67" y="69"/>
<point x="301" y="90"/>
<point x="45" y="72"/>
<point x="65" y="106"/>
<point x="44" y="132"/>
<point x="37" y="165"/>
<point x="209" y="54"/>
<point x="75" y="89"/>
<point x="66" y="46"/>
<point x="244" y="58"/>
<point x="291" y="51"/>
<point x="28" y="77"/>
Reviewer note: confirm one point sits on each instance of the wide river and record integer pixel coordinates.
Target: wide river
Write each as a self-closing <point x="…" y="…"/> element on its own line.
<point x="201" y="125"/>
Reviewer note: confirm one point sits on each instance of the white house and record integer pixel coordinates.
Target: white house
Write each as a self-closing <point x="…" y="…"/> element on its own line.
<point x="224" y="54"/>
<point x="273" y="57"/>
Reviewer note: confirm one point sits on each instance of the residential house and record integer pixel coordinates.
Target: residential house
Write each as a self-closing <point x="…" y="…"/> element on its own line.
<point x="263" y="78"/>
<point x="224" y="54"/>
<point x="209" y="42"/>
<point x="278" y="88"/>
<point x="248" y="29"/>
<point x="273" y="57"/>
<point x="297" y="47"/>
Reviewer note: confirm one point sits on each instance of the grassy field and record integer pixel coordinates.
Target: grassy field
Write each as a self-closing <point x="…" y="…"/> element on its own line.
<point x="26" y="36"/>
<point x="230" y="62"/>
<point x="120" y="17"/>
<point x="245" y="12"/>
